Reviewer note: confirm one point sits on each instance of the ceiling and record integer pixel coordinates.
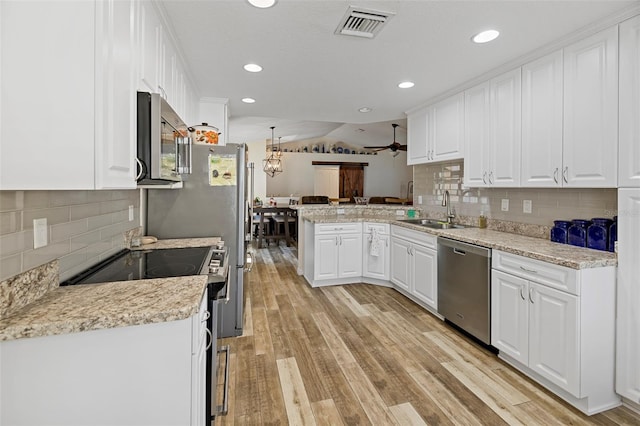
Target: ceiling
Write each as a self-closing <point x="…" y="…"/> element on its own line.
<point x="314" y="81"/>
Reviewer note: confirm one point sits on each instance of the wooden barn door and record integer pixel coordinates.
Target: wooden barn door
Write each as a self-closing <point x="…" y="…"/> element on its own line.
<point x="351" y="181"/>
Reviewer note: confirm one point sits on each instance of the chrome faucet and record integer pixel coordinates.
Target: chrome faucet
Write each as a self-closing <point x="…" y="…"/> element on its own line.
<point x="446" y="202"/>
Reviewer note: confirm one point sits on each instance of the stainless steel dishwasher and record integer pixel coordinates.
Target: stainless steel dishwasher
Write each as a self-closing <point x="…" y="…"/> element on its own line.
<point x="464" y="286"/>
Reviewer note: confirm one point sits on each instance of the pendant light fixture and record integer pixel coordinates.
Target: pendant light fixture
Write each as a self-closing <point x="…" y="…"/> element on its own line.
<point x="272" y="165"/>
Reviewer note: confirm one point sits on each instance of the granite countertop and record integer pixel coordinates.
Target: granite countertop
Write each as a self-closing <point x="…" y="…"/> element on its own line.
<point x="180" y="243"/>
<point x="534" y="248"/>
<point x="72" y="309"/>
<point x="109" y="305"/>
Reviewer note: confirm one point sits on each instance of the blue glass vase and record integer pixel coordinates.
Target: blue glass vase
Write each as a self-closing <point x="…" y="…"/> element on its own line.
<point x="598" y="233"/>
<point x="613" y="234"/>
<point x="559" y="231"/>
<point x="577" y="233"/>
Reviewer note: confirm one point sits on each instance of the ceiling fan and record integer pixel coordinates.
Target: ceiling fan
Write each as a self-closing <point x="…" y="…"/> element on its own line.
<point x="394" y="147"/>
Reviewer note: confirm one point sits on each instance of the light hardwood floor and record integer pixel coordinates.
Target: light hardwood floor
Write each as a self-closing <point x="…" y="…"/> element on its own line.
<point x="365" y="355"/>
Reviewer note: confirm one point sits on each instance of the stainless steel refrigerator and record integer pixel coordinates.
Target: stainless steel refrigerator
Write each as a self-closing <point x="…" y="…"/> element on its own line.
<point x="211" y="203"/>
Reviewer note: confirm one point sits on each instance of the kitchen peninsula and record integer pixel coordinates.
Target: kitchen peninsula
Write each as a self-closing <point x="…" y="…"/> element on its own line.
<point x="121" y="352"/>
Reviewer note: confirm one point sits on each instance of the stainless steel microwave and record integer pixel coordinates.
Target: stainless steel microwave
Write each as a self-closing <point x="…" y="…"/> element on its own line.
<point x="164" y="145"/>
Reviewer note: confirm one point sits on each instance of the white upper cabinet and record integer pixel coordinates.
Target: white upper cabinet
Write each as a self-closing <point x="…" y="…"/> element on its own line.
<point x="492" y="132"/>
<point x="417" y="137"/>
<point x="447" y="129"/>
<point x="629" y="142"/>
<point x="476" y="136"/>
<point x="436" y="133"/>
<point x="149" y="33"/>
<point x="70" y="121"/>
<point x="590" y="148"/>
<point x="542" y="122"/>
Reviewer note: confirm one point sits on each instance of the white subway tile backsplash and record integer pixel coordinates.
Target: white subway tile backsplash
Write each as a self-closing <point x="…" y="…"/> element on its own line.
<point x="53" y="215"/>
<point x="42" y="255"/>
<point x="65" y="231"/>
<point x="84" y="211"/>
<point x="10" y="221"/>
<point x="85" y="227"/>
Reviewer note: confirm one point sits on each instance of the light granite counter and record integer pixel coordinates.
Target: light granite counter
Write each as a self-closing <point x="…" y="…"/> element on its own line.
<point x="72" y="309"/>
<point x="535" y="248"/>
<point x="88" y="307"/>
<point x="180" y="243"/>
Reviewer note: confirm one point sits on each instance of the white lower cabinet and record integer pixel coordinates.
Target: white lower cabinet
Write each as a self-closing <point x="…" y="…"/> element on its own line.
<point x="151" y="374"/>
<point x="554" y="324"/>
<point x="414" y="264"/>
<point x="333" y="253"/>
<point x="628" y="325"/>
<point x="376" y="266"/>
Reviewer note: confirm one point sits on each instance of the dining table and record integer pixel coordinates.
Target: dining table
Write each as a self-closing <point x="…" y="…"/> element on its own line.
<point x="288" y="214"/>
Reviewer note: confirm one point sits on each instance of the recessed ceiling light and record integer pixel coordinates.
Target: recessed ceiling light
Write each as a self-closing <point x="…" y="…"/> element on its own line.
<point x="253" y="68"/>
<point x="485" y="36"/>
<point x="248" y="100"/>
<point x="406" y="84"/>
<point x="365" y="109"/>
<point x="262" y="4"/>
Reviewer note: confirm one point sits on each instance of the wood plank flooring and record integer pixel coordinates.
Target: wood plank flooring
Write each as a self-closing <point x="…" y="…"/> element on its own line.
<point x="365" y="355"/>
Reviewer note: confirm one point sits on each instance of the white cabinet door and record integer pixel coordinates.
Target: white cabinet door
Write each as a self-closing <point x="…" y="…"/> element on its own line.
<point x="476" y="135"/>
<point x="326" y="257"/>
<point x="424" y="270"/>
<point x="149" y="31"/>
<point x="629" y="137"/>
<point x="350" y="255"/>
<point x="400" y="263"/>
<point x="590" y="134"/>
<point x="542" y="122"/>
<point x="447" y="129"/>
<point x="628" y="295"/>
<point x="510" y="315"/>
<point x="115" y="135"/>
<point x="417" y="137"/>
<point x="554" y="337"/>
<point x="505" y="136"/>
<point x="376" y="266"/>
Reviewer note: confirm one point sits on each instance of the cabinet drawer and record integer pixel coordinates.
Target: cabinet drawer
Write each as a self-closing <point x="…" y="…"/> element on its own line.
<point x="416" y="237"/>
<point x="341" y="228"/>
<point x="555" y="276"/>
<point x="382" y="228"/>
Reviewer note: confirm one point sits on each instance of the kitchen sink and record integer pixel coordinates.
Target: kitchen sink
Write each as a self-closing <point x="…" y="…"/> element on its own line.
<point x="433" y="224"/>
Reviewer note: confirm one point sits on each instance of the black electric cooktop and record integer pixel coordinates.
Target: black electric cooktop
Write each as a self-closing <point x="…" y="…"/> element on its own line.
<point x="129" y="265"/>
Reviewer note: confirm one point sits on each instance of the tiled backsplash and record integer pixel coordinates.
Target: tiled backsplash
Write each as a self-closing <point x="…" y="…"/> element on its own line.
<point x="431" y="180"/>
<point x="83" y="227"/>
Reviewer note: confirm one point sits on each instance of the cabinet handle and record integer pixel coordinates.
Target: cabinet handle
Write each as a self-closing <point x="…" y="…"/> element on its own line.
<point x="565" y="174"/>
<point x="484" y="178"/>
<point x="210" y="339"/>
<point x="490" y="178"/>
<point x="340" y="239"/>
<point x="522" y="293"/>
<point x="530" y="296"/>
<point x="528" y="270"/>
<point x="555" y="175"/>
<point x="140" y="168"/>
<point x="336" y="240"/>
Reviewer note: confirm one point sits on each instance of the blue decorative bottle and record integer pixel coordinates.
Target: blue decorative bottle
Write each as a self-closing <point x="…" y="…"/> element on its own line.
<point x="559" y="231"/>
<point x="613" y="234"/>
<point x="577" y="233"/>
<point x="598" y="233"/>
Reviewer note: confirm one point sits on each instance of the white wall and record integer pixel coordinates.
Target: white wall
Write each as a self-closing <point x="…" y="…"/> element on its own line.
<point x="384" y="176"/>
<point x="256" y="155"/>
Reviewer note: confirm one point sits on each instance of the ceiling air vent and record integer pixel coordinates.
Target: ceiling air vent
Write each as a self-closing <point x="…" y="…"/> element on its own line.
<point x="360" y="22"/>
